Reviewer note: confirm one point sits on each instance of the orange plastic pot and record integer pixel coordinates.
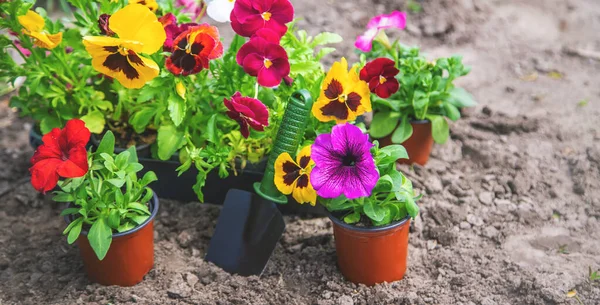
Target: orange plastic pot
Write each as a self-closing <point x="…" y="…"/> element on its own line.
<point x="129" y="258"/>
<point x="371" y="255"/>
<point x="418" y="146"/>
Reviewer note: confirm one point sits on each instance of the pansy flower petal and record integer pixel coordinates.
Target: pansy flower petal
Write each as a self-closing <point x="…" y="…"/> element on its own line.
<point x="32" y="21"/>
<point x="286" y="173"/>
<point x="136" y="22"/>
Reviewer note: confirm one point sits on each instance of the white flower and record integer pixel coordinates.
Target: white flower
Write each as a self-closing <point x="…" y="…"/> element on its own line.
<point x="220" y="10"/>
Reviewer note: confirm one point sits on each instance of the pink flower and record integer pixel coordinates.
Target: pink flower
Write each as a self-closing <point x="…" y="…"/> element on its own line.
<point x="394" y="20"/>
<point x="249" y="16"/>
<point x="25" y="52"/>
<point x="194" y="8"/>
<point x="248" y="112"/>
<point x="264" y="58"/>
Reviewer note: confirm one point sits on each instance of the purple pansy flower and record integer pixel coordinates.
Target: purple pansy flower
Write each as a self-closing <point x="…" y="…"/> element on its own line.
<point x="343" y="163"/>
<point x="394" y="20"/>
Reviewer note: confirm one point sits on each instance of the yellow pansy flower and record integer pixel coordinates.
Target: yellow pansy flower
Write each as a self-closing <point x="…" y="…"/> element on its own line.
<point x="151" y="4"/>
<point x="33" y="25"/>
<point x="139" y="31"/>
<point x="343" y="95"/>
<point x="294" y="177"/>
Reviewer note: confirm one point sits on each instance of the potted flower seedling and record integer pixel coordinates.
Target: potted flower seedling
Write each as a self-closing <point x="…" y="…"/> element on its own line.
<point x="110" y="211"/>
<point x="412" y="97"/>
<point x="369" y="200"/>
<point x="158" y="77"/>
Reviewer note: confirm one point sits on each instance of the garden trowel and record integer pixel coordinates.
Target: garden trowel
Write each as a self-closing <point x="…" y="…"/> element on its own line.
<point x="250" y="225"/>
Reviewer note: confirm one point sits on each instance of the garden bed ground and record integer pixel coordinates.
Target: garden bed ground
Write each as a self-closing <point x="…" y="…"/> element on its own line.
<point x="512" y="206"/>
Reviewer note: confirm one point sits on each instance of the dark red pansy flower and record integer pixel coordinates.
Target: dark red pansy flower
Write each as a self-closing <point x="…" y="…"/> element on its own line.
<point x="63" y="154"/>
<point x="380" y="74"/>
<point x="248" y="112"/>
<point x="103" y="25"/>
<point x="193" y="49"/>
<point x="249" y="16"/>
<point x="172" y="30"/>
<point x="264" y="58"/>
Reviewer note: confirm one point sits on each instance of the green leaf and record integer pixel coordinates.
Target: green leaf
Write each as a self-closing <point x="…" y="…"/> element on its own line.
<point x="48" y="123"/>
<point x="374" y="211"/>
<point x="139" y="219"/>
<point x="100" y="237"/>
<point x="451" y="111"/>
<point x="125" y="227"/>
<point x="326" y="38"/>
<point x="176" y="109"/>
<point x="339" y="203"/>
<point x="393" y="152"/>
<point x="460" y="98"/>
<point x="114" y="219"/>
<point x="324" y="52"/>
<point x="352" y="218"/>
<point x="94" y="121"/>
<point x="384" y="184"/>
<point x="304" y="67"/>
<point x="439" y="129"/>
<point x="140" y="119"/>
<point x="138" y="206"/>
<point x="63" y="197"/>
<point x="211" y="129"/>
<point x="169" y="141"/>
<point x="397" y="179"/>
<point x="383" y="124"/>
<point x="75" y="230"/>
<point x="116" y="182"/>
<point x="412" y="208"/>
<point x="69" y="211"/>
<point x="121" y="160"/>
<point x="133" y="157"/>
<point x="134" y="167"/>
<point x="200" y="181"/>
<point x="107" y="144"/>
<point x="403" y="132"/>
<point x="148" y="178"/>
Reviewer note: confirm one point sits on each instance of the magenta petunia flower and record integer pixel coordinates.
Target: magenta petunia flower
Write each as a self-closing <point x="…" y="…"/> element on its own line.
<point x="394" y="20"/>
<point x="249" y="16"/>
<point x="248" y="112"/>
<point x="264" y="58"/>
<point x="343" y="163"/>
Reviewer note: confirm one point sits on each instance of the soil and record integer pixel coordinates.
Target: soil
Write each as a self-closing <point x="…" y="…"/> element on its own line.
<point x="511" y="207"/>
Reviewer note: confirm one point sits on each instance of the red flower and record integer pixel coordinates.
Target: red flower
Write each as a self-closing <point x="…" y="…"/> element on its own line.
<point x="247" y="112"/>
<point x="62" y="154"/>
<point x="193" y="49"/>
<point x="264" y="58"/>
<point x="169" y="22"/>
<point x="381" y="76"/>
<point x="249" y="16"/>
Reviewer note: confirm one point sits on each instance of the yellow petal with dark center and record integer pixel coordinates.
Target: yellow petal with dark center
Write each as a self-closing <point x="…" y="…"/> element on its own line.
<point x="303" y="158"/>
<point x="304" y="191"/>
<point x="32" y="21"/>
<point x="117" y="59"/>
<point x="136" y="22"/>
<point x="286" y="173"/>
<point x="337" y="78"/>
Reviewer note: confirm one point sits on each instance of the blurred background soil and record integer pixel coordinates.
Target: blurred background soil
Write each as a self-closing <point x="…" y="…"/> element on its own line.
<point x="512" y="202"/>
